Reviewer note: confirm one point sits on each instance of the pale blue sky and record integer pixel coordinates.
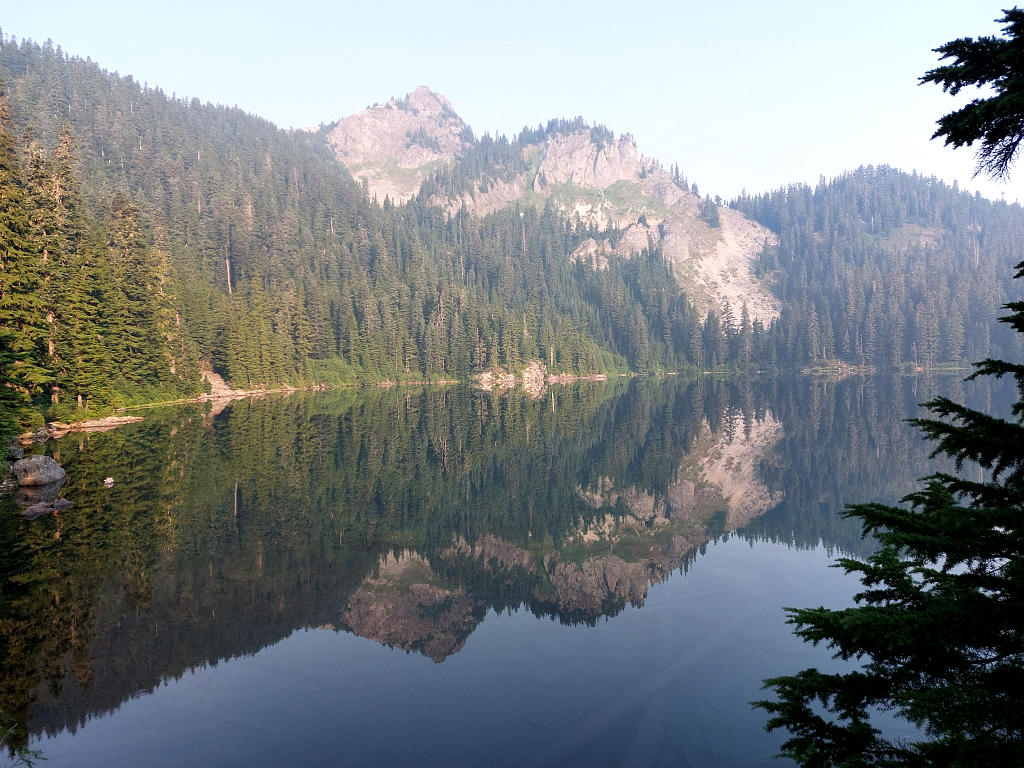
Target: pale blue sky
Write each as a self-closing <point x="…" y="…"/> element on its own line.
<point x="741" y="94"/>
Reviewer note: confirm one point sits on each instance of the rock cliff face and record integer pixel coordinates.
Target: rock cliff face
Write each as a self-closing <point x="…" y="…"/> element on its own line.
<point x="597" y="585"/>
<point x="575" y="158"/>
<point x="587" y="174"/>
<point x="614" y="186"/>
<point x="394" y="147"/>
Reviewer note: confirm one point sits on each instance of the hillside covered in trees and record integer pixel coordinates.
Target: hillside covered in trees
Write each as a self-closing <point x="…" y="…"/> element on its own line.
<point x="146" y="238"/>
<point x="887" y="268"/>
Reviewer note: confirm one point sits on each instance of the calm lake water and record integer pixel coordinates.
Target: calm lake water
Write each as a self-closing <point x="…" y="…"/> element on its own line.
<point x="446" y="577"/>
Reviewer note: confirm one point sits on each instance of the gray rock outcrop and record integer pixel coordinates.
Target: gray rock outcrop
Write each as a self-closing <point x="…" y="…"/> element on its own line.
<point x="38" y="470"/>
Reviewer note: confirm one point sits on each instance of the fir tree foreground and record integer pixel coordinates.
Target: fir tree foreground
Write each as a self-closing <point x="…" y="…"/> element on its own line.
<point x="937" y="629"/>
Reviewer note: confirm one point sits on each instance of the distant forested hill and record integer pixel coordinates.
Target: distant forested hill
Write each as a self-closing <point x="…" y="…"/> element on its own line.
<point x="886" y="268"/>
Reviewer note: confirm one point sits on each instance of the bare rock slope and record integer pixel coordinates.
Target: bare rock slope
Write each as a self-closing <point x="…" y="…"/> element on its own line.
<point x="394" y="146"/>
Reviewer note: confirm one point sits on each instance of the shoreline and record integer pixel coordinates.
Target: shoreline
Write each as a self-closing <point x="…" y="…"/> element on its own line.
<point x="222" y="395"/>
<point x="487" y="381"/>
<point x="58" y="429"/>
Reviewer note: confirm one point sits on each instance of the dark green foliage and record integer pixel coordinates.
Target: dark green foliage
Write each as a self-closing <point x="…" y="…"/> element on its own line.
<point x="16" y="754"/>
<point x="21" y="275"/>
<point x="997" y="121"/>
<point x="12" y="399"/>
<point x="709" y="212"/>
<point x="601" y="136"/>
<point x="937" y="632"/>
<point x="423" y="139"/>
<point x="86" y="305"/>
<point x="134" y="304"/>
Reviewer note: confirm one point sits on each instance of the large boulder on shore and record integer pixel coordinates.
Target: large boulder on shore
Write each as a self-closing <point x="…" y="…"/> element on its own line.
<point x="38" y="470"/>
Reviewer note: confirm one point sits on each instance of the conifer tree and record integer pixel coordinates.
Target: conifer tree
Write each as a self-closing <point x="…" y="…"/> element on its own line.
<point x="22" y="313"/>
<point x="88" y="328"/>
<point x="138" y="349"/>
<point x="996" y="121"/>
<point x="12" y="398"/>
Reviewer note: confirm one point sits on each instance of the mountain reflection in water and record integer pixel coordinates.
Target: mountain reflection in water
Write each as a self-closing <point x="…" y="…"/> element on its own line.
<point x="406" y="516"/>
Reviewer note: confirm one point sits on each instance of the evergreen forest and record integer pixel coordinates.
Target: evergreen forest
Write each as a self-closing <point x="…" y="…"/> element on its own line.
<point x="145" y="238"/>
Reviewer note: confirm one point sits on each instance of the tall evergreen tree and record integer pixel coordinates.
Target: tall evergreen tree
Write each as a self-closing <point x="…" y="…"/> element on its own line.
<point x="997" y="120"/>
<point x="22" y="313"/>
<point x="138" y="350"/>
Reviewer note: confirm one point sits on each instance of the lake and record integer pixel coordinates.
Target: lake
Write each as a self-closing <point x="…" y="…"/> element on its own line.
<point x="595" y="576"/>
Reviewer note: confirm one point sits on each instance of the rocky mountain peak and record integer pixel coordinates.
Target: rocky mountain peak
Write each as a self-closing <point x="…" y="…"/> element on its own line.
<point x="577" y="158"/>
<point x="394" y="146"/>
<point x="425" y="100"/>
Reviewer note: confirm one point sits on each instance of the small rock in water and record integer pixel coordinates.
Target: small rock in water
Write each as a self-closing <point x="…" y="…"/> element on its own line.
<point x="109" y="482"/>
<point x="45" y="508"/>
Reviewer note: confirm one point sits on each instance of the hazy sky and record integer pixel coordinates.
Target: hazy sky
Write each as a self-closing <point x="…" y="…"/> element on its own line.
<point x="749" y="95"/>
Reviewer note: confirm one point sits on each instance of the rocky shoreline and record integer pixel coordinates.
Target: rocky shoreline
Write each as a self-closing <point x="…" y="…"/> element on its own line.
<point x="534" y="379"/>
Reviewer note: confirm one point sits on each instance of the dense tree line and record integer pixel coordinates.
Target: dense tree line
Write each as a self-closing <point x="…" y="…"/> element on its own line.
<point x="886" y="268"/>
<point x="86" y="304"/>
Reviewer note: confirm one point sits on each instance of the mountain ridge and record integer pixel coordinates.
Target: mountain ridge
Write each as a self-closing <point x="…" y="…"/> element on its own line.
<point x="249" y="250"/>
<point x="394" y="145"/>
